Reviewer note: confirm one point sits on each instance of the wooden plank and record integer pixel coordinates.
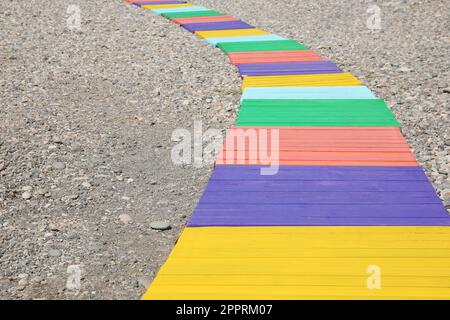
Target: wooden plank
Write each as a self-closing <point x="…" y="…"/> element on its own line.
<point x="225" y="25"/>
<point x="315" y="146"/>
<point x="237" y="58"/>
<point x="301" y="80"/>
<point x="279" y="45"/>
<point x="306" y="263"/>
<point x="302" y="93"/>
<point x="230" y="33"/>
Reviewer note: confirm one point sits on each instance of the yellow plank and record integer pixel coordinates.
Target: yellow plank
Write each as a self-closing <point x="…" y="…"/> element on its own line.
<point x="230" y="33"/>
<point x="301" y="280"/>
<point x="306" y="263"/>
<point x="304" y="80"/>
<point x="162" y="6"/>
<point x="291" y="293"/>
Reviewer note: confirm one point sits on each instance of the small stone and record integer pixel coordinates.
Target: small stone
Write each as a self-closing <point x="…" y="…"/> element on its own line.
<point x="86" y="185"/>
<point x="160" y="225"/>
<point x="447" y="204"/>
<point x="145" y="282"/>
<point x="22" y="284"/>
<point x="73" y="197"/>
<point x="75" y="147"/>
<point x="119" y="178"/>
<point x="26" y="195"/>
<point x="125" y="218"/>
<point x="153" y="182"/>
<point x="446" y="195"/>
<point x="135" y="283"/>
<point x="442" y="85"/>
<point x="57" y="139"/>
<point x="37" y="279"/>
<point x="54" y="253"/>
<point x="404" y="69"/>
<point x="58" y="165"/>
<point x="40" y="192"/>
<point x="27" y="188"/>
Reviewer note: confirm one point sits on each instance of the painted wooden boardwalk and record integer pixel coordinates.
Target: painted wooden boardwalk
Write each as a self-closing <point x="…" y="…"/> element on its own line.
<point x="347" y="214"/>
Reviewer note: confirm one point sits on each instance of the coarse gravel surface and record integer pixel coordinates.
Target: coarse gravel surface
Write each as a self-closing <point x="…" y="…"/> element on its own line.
<point x="86" y="177"/>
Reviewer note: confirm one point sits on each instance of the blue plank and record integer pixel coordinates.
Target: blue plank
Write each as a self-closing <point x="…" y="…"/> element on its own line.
<point x="181" y="9"/>
<point x="338" y="92"/>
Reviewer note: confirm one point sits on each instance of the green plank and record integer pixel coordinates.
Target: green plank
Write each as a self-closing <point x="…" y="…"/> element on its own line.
<point x="275" y="45"/>
<point x="365" y="113"/>
<point x="190" y="14"/>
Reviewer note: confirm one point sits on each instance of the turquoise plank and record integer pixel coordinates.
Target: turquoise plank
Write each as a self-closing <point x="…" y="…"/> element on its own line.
<point x="181" y="9"/>
<point x="264" y="37"/>
<point x="338" y="92"/>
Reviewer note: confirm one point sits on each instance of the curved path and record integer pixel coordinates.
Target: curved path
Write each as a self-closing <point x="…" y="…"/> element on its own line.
<point x="315" y="195"/>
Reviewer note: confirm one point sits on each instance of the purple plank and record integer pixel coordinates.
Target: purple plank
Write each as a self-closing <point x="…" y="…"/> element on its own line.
<point x="318" y="186"/>
<point x="321" y="210"/>
<point x="297" y="195"/>
<point x="192" y="27"/>
<point x="273" y="197"/>
<point x="359" y="173"/>
<point x="282" y="68"/>
<point x="142" y="3"/>
<point x="370" y="221"/>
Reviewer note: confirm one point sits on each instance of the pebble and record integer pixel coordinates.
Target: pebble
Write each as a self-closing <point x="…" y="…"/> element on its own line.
<point x="57" y="139"/>
<point x="58" y="165"/>
<point x="86" y="185"/>
<point x="135" y="283"/>
<point x="145" y="282"/>
<point x="160" y="225"/>
<point x="125" y="218"/>
<point x="37" y="279"/>
<point x="26" y="195"/>
<point x="54" y="253"/>
<point x="40" y="192"/>
<point x="22" y="284"/>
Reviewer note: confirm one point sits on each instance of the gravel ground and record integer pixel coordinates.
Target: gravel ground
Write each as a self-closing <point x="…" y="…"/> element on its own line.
<point x="87" y="119"/>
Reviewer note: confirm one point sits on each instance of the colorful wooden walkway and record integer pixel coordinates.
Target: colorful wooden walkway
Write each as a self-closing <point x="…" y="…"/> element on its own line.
<point x="349" y="213"/>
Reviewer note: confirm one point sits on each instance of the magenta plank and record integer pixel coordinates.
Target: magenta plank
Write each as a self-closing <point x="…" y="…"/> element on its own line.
<point x="286" y="68"/>
<point x="225" y="25"/>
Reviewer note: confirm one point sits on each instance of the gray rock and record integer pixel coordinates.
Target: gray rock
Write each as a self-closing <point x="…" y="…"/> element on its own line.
<point x="54" y="253"/>
<point x="145" y="282"/>
<point x="26" y="195"/>
<point x="58" y="165"/>
<point x="57" y="139"/>
<point x="22" y="284"/>
<point x="160" y="225"/>
<point x="86" y="185"/>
